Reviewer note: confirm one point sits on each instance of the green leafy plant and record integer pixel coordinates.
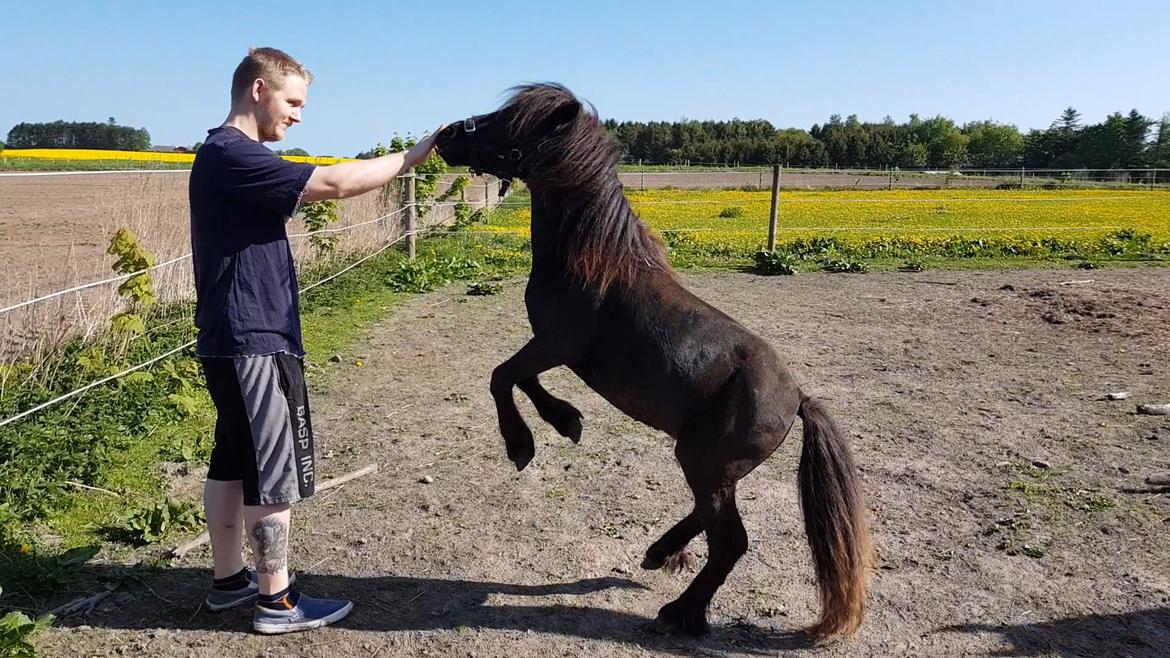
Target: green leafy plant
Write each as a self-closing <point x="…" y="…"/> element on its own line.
<point x="424" y="275"/>
<point x="182" y="377"/>
<point x="677" y="241"/>
<point x="15" y="630"/>
<point x="912" y="265"/>
<point x="771" y="262"/>
<point x="731" y="212"/>
<point x="484" y="288"/>
<point x="149" y="525"/>
<point x="319" y="215"/>
<point x="843" y="266"/>
<point x="132" y="257"/>
<point x="187" y="449"/>
<point x="457" y="186"/>
<point x="54" y="571"/>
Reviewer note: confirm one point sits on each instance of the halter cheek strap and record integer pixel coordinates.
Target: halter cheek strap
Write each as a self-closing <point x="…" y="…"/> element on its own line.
<point x="472" y="151"/>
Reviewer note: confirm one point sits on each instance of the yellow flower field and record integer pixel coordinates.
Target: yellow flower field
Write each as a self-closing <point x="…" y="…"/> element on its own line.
<point x="137" y="156"/>
<point x="1063" y="213"/>
<point x="999" y="222"/>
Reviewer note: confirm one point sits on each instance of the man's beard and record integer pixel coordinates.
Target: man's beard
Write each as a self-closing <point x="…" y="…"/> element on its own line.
<point x="271" y="134"/>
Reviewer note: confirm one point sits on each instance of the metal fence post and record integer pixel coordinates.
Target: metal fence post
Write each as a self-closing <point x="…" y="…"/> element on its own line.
<point x="411" y="217"/>
<point x="775" y="205"/>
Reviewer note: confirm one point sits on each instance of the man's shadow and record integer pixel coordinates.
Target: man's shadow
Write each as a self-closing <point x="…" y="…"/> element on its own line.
<point x="170" y="598"/>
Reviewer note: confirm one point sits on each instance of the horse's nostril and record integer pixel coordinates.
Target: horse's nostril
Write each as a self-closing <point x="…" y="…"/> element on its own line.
<point x="449" y="131"/>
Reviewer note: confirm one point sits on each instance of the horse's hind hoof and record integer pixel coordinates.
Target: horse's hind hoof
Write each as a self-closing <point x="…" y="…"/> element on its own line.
<point x="663" y="626"/>
<point x="521" y="461"/>
<point x="652" y="563"/>
<point x="673" y="618"/>
<point x="674" y="563"/>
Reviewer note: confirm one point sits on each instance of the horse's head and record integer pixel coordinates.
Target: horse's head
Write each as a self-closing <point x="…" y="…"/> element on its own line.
<point x="523" y="139"/>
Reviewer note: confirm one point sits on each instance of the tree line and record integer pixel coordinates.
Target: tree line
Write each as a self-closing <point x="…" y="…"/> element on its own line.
<point x="78" y="135"/>
<point x="1120" y="141"/>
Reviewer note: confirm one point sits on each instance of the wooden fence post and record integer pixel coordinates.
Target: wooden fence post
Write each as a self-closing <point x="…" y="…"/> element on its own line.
<point x="775" y="205"/>
<point x="411" y="217"/>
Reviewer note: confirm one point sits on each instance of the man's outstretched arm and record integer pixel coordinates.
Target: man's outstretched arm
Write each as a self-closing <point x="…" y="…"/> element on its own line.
<point x="346" y="179"/>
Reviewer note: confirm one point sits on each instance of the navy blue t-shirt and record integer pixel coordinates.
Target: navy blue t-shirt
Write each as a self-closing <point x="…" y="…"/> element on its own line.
<point x="245" y="282"/>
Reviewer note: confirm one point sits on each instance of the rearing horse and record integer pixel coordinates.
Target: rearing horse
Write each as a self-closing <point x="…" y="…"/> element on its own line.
<point x="603" y="301"/>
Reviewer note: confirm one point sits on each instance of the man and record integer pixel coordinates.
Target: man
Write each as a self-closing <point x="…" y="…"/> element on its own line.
<point x="249" y="340"/>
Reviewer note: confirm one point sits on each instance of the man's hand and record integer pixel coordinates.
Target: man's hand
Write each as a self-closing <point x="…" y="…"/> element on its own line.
<point x="419" y="152"/>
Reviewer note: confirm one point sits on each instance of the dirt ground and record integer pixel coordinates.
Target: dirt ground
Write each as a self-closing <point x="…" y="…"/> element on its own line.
<point x="54" y="229"/>
<point x="1007" y="496"/>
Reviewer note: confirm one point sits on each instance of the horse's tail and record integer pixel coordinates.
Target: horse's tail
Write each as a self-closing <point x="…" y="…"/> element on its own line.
<point x="835" y="522"/>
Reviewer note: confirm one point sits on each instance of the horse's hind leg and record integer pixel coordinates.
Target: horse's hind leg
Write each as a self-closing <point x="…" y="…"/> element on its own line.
<point x="563" y="416"/>
<point x="728" y="541"/>
<point x="670" y="549"/>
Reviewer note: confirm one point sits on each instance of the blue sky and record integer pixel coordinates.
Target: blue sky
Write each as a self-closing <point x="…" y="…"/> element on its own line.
<point x="387" y="67"/>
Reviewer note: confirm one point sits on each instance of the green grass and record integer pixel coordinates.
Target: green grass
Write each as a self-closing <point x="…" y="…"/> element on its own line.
<point x="1043" y="499"/>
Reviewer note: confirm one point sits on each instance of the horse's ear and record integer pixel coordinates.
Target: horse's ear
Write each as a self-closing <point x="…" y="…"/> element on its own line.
<point x="563" y="115"/>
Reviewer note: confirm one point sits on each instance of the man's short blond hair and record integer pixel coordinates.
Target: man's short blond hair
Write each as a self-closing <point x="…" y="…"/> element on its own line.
<point x="269" y="64"/>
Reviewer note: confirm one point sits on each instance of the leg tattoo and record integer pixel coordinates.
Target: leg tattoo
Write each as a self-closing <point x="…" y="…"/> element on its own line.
<point x="271" y="545"/>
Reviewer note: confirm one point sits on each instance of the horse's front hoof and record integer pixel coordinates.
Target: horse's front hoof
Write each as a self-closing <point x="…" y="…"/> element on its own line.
<point x="570" y="428"/>
<point x="567" y="421"/>
<point x="521" y="455"/>
<point x="519" y="443"/>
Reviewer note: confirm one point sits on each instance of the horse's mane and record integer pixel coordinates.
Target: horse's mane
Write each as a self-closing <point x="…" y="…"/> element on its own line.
<point x="600" y="237"/>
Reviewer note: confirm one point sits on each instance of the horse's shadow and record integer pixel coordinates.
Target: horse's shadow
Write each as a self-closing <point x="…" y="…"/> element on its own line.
<point x="169" y="598"/>
<point x="1138" y="633"/>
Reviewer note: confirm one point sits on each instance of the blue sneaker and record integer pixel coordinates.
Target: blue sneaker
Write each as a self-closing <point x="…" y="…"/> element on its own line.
<point x="298" y="612"/>
<point x="222" y="599"/>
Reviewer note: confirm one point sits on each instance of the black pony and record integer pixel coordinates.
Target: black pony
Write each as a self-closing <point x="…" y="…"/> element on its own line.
<point x="603" y="301"/>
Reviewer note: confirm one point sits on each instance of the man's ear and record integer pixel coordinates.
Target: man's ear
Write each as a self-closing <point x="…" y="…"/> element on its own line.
<point x="258" y="85"/>
<point x="558" y="118"/>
